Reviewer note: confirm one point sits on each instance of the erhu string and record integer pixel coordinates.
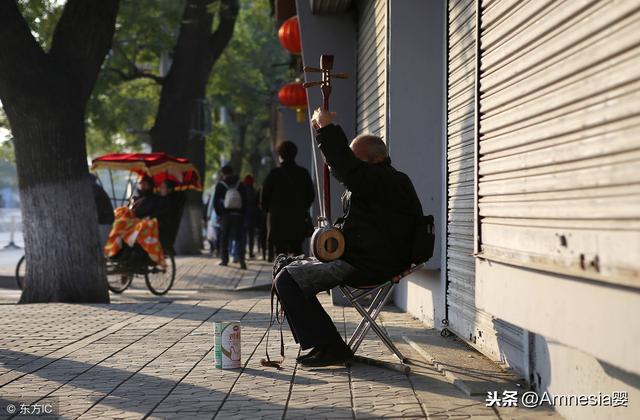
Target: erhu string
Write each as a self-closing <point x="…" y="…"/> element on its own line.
<point x="316" y="170"/>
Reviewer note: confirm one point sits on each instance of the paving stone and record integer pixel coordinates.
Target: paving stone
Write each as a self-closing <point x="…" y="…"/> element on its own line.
<point x="144" y="356"/>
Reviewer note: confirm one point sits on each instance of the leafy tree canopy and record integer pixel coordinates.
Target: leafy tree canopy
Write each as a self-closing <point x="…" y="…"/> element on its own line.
<point x="125" y="99"/>
<point x="245" y="79"/>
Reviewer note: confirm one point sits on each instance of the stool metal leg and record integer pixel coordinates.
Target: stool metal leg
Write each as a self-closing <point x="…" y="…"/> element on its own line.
<point x="363" y="327"/>
<point x="354" y="300"/>
<point x="369" y="315"/>
<point x="373" y="311"/>
<point x="369" y="321"/>
<point x="381" y="333"/>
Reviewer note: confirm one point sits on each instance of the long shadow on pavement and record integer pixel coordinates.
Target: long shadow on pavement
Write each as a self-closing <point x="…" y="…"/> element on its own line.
<point x="92" y="378"/>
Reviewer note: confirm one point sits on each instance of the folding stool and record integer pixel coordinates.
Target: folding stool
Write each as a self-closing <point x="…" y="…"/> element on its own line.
<point x="369" y="315"/>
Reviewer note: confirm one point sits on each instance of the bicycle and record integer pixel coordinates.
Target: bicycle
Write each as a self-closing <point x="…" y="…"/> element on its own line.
<point x="120" y="275"/>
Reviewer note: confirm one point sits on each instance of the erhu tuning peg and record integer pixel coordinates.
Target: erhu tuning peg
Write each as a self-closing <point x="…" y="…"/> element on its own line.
<point x="312" y="84"/>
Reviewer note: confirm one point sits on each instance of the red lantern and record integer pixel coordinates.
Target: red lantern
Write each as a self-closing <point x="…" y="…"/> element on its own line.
<point x="289" y="35"/>
<point x="294" y="96"/>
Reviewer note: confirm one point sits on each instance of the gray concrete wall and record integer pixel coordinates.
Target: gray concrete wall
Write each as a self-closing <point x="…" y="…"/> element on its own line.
<point x="298" y="133"/>
<point x="586" y="333"/>
<point x="422" y="295"/>
<point x="415" y="130"/>
<point x="562" y="370"/>
<point x="331" y="34"/>
<point x="598" y="319"/>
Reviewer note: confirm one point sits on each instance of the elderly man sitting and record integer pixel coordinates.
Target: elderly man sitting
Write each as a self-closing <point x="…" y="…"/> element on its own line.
<point x="380" y="212"/>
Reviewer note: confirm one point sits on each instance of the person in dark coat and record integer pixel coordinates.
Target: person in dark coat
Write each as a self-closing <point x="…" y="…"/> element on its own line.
<point x="229" y="201"/>
<point x="168" y="211"/>
<point x="251" y="212"/>
<point x="287" y="194"/>
<point x="261" y="227"/>
<point x="104" y="208"/>
<point x="165" y="207"/>
<point x="381" y="210"/>
<point x="144" y="202"/>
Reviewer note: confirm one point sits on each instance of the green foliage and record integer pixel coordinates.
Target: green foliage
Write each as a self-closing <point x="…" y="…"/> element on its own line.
<point x="6" y="146"/>
<point x="122" y="108"/>
<point x="120" y="114"/>
<point x="245" y="76"/>
<point x="42" y="17"/>
<point x="8" y="176"/>
<point x="245" y="79"/>
<point x="218" y="144"/>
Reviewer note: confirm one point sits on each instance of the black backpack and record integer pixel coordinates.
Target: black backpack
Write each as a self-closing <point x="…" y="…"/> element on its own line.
<point x="423" y="240"/>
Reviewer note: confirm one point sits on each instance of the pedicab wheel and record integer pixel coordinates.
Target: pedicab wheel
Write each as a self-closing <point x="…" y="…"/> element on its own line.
<point x="118" y="280"/>
<point x="118" y="283"/>
<point x="21" y="272"/>
<point x="159" y="281"/>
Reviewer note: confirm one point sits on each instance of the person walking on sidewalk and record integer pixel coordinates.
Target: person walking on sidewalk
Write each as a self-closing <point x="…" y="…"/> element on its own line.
<point x="251" y="212"/>
<point x="229" y="203"/>
<point x="287" y="194"/>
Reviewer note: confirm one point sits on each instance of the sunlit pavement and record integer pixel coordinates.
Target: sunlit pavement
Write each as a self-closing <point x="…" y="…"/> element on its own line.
<point x="144" y="356"/>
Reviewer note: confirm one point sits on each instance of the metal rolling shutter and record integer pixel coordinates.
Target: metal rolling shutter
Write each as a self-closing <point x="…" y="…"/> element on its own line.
<point x="559" y="186"/>
<point x="499" y="340"/>
<point x="372" y="67"/>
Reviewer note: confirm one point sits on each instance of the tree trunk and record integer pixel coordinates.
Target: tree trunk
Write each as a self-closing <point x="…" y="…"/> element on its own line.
<point x="255" y="162"/>
<point x="189" y="240"/>
<point x="60" y="224"/>
<point x="195" y="53"/>
<point x="238" y="150"/>
<point x="44" y="96"/>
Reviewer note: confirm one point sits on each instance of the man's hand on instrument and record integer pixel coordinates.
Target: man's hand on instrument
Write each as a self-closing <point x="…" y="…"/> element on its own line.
<point x="322" y="118"/>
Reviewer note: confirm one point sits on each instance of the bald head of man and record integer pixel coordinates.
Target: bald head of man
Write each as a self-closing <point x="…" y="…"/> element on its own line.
<point x="369" y="148"/>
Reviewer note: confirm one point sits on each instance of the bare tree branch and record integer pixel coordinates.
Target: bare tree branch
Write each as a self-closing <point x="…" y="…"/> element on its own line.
<point x="219" y="39"/>
<point x="136" y="74"/>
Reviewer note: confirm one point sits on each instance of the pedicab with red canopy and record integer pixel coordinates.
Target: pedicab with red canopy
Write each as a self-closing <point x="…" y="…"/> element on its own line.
<point x="159" y="274"/>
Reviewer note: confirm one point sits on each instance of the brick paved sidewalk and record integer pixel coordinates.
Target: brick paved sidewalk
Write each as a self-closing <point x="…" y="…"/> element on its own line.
<point x="141" y="357"/>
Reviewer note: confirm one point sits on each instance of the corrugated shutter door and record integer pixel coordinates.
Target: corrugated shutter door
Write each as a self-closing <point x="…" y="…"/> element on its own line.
<point x="372" y="67"/>
<point x="559" y="186"/>
<point x="497" y="339"/>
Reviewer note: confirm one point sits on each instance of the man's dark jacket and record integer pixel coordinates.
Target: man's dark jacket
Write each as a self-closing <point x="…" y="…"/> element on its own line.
<point x="380" y="206"/>
<point x="253" y="201"/>
<point x="287" y="194"/>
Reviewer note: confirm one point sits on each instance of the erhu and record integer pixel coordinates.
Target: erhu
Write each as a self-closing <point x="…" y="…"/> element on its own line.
<point x="327" y="242"/>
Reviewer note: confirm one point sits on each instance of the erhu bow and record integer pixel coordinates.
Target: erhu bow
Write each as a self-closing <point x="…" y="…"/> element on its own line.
<point x="327" y="242"/>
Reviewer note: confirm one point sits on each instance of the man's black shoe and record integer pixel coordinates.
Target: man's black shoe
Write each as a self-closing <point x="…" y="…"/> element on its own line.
<point x="243" y="265"/>
<point x="223" y="264"/>
<point x="312" y="353"/>
<point x="334" y="354"/>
